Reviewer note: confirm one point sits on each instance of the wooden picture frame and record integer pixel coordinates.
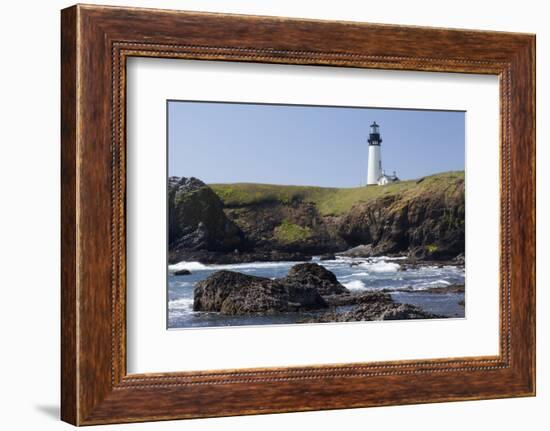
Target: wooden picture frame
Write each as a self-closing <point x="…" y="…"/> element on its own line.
<point x="95" y="43"/>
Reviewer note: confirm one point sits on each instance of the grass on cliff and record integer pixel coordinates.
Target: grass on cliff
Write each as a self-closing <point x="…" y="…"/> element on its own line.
<point x="289" y="233"/>
<point x="333" y="201"/>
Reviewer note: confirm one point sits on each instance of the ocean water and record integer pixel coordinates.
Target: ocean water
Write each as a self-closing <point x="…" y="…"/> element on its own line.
<point x="357" y="274"/>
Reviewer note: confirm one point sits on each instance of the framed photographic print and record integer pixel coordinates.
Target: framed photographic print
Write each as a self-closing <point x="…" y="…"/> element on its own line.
<point x="267" y="215"/>
<point x="258" y="244"/>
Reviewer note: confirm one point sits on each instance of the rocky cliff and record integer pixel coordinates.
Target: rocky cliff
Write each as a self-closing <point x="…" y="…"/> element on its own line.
<point x="243" y="222"/>
<point x="197" y="220"/>
<point x="424" y="222"/>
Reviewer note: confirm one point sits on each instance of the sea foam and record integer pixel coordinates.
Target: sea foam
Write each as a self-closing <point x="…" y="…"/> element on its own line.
<point x="355" y="285"/>
<point x="181" y="304"/>
<point x="190" y="266"/>
<point x="251" y="265"/>
<point x="380" y="266"/>
<point x="197" y="266"/>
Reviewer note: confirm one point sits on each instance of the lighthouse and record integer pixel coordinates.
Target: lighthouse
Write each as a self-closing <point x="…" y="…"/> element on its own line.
<point x="375" y="158"/>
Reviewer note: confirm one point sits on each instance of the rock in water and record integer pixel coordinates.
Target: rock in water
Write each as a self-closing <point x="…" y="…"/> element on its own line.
<point x="234" y="293"/>
<point x="364" y="250"/>
<point x="312" y="275"/>
<point x="357" y="298"/>
<point x="182" y="272"/>
<point x="395" y="311"/>
<point x="379" y="308"/>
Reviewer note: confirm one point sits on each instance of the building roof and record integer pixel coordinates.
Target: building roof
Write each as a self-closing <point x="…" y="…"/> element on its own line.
<point x="392" y="176"/>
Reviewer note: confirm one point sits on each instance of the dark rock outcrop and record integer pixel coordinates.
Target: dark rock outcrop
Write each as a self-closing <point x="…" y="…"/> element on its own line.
<point x="197" y="219"/>
<point x="384" y="311"/>
<point x="374" y="310"/>
<point x="224" y="258"/>
<point x="357" y="298"/>
<point x="234" y="293"/>
<point x="307" y="287"/>
<point x="453" y="288"/>
<point x="426" y="225"/>
<point x="312" y="275"/>
<point x="182" y="272"/>
<point x="459" y="259"/>
<point x="363" y="250"/>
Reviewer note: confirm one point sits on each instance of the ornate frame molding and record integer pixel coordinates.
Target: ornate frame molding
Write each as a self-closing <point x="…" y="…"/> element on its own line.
<point x="96" y="41"/>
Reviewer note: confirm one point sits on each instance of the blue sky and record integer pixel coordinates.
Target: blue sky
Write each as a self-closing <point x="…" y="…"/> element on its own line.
<point x="304" y="145"/>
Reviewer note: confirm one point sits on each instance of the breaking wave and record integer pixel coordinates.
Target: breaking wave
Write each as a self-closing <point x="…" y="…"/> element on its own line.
<point x="380" y="266"/>
<point x="355" y="285"/>
<point x="190" y="266"/>
<point x="197" y="266"/>
<point x="181" y="305"/>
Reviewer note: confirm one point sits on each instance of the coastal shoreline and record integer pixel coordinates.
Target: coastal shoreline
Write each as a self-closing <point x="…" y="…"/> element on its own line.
<point x="381" y="244"/>
<point x="431" y="301"/>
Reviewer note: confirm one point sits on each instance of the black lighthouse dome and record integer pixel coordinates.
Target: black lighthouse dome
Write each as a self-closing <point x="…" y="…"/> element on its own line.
<point x="374" y="136"/>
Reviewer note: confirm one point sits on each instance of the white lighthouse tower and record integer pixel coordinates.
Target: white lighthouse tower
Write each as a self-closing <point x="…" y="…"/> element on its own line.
<point x="375" y="158"/>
